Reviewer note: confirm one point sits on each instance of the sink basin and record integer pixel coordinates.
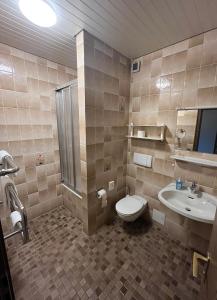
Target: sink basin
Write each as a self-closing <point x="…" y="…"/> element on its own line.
<point x="200" y="207"/>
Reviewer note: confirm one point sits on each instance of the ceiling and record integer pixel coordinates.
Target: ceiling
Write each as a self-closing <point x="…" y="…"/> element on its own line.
<point x="133" y="27"/>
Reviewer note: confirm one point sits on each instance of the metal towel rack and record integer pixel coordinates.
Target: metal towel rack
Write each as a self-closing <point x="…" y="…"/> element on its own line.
<point x="16" y="205"/>
<point x="13" y="201"/>
<point x="9" y="167"/>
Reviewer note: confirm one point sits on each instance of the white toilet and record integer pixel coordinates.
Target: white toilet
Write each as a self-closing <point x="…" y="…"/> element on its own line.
<point x="130" y="208"/>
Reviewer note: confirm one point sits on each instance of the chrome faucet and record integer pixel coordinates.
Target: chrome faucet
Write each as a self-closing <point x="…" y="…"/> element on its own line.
<point x="194" y="187"/>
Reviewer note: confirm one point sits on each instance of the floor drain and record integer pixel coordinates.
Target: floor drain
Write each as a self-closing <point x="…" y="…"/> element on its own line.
<point x="188" y="209"/>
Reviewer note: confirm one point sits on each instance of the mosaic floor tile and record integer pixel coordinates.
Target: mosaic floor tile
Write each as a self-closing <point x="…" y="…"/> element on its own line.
<point x="120" y="261"/>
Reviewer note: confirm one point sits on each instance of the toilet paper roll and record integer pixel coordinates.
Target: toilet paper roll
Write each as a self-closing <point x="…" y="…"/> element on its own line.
<point x="101" y="194"/>
<point x="141" y="133"/>
<point x="15" y="218"/>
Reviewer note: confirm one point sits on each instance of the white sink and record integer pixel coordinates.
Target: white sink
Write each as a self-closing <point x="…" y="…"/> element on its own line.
<point x="200" y="207"/>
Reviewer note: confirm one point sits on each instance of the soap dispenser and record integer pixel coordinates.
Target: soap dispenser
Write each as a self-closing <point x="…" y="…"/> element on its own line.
<point x="179" y="184"/>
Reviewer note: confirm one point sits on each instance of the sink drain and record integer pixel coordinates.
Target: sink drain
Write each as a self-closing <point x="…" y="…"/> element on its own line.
<point x="188" y="209"/>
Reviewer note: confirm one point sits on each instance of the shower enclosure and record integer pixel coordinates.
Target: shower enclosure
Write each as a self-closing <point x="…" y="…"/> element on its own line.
<point x="68" y="133"/>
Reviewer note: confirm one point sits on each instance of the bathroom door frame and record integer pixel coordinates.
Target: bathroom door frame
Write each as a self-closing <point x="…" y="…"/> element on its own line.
<point x="209" y="284"/>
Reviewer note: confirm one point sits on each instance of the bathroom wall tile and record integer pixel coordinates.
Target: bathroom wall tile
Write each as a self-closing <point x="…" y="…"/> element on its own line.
<point x="178" y="81"/>
<point x="6" y="63"/>
<point x="42" y="72"/>
<point x="176" y="48"/>
<point x="194" y="57"/>
<point x="21" y="178"/>
<point x="104" y="114"/>
<point x="196" y="40"/>
<point x="31" y="69"/>
<point x="196" y="242"/>
<point x="206" y="96"/>
<point x="192" y="79"/>
<point x="27" y="97"/>
<point x="20" y="83"/>
<point x="33" y="199"/>
<point x="18" y="65"/>
<point x="32" y="187"/>
<point x="13" y="132"/>
<point x="42" y="184"/>
<point x="9" y="99"/>
<point x="22" y="190"/>
<point x="176" y="231"/>
<point x="179" y="62"/>
<point x="136" y="104"/>
<point x="209" y="55"/>
<point x="164" y="101"/>
<point x="200" y="229"/>
<point x="156" y="67"/>
<point x="6" y="80"/>
<point x="207" y="76"/>
<point x="190" y="98"/>
<point x="189" y="70"/>
<point x="210" y="36"/>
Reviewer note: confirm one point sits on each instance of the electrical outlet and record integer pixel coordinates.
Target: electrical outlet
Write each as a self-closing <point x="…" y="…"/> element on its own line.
<point x="158" y="216"/>
<point x="111" y="185"/>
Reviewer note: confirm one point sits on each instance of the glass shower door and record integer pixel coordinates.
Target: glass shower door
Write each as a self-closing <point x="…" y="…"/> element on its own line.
<point x="68" y="134"/>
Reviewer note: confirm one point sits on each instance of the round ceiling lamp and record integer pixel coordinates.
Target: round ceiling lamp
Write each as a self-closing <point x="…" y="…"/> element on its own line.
<point x="38" y="12"/>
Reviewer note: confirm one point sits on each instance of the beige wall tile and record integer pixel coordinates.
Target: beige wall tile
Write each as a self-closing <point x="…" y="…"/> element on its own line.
<point x="103" y="80"/>
<point x="185" y="76"/>
<point x="26" y="99"/>
<point x="207" y="76"/>
<point x="194" y="57"/>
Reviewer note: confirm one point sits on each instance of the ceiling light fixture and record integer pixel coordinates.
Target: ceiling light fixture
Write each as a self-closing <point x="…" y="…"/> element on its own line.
<point x="38" y="12"/>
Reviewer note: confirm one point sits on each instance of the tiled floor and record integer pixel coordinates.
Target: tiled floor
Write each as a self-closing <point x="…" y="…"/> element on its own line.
<point x="119" y="262"/>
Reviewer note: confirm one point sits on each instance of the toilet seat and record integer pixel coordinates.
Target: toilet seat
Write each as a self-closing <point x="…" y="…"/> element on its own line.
<point x="130" y="205"/>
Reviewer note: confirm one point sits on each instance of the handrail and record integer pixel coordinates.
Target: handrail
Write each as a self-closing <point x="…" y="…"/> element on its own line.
<point x="9" y="166"/>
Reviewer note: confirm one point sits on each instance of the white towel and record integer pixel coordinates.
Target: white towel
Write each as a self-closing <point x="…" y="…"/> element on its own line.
<point x="3" y="153"/>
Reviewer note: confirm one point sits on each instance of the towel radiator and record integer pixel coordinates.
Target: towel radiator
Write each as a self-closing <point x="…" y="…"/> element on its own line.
<point x="9" y="166"/>
<point x="13" y="201"/>
<point x="16" y="205"/>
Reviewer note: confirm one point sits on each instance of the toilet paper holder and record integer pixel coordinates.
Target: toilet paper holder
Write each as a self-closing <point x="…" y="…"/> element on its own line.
<point x="101" y="194"/>
<point x="97" y="192"/>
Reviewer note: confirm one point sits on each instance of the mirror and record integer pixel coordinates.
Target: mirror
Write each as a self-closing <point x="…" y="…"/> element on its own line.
<point x="196" y="130"/>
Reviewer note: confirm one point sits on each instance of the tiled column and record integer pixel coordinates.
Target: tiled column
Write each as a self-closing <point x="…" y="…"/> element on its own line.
<point x="103" y="93"/>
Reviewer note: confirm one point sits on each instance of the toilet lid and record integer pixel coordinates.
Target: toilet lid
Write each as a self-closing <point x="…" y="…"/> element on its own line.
<point x="129" y="205"/>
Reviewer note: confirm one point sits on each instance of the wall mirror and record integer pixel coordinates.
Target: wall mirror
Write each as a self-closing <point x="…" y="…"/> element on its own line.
<point x="196" y="130"/>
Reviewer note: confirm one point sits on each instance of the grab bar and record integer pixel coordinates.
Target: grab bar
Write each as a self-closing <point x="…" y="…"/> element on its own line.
<point x="9" y="167"/>
<point x="16" y="205"/>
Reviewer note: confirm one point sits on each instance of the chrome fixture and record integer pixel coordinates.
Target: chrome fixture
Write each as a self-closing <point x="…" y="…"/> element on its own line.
<point x="9" y="167"/>
<point x="194" y="187"/>
<point x="15" y="204"/>
<point x="12" y="199"/>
